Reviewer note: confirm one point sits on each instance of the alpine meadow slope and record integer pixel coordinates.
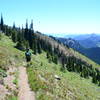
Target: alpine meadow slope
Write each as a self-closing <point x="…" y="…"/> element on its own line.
<point x="41" y="74"/>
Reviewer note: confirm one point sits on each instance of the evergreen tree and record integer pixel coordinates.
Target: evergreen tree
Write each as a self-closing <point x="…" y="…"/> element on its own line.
<point x="31" y="26"/>
<point x="0" y="36"/>
<point x="14" y="25"/>
<point x="27" y="44"/>
<point x="20" y="45"/>
<point x="48" y="55"/>
<point x="9" y="31"/>
<point x="2" y="23"/>
<point x="26" y="36"/>
<point x="22" y="32"/>
<point x="30" y="34"/>
<point x="55" y="59"/>
<point x="34" y="46"/>
<point x="14" y="35"/>
<point x="94" y="80"/>
<point x="63" y="60"/>
<point x="39" y="47"/>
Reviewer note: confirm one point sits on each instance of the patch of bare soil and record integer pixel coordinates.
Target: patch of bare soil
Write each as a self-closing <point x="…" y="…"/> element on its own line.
<point x="8" y="87"/>
<point x="25" y="92"/>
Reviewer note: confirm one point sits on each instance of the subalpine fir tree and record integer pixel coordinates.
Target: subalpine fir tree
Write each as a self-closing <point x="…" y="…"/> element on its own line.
<point x="0" y="36"/>
<point x="2" y="24"/>
<point x="63" y="60"/>
<point x="20" y="45"/>
<point x="27" y="44"/>
<point x="19" y="35"/>
<point x="30" y="34"/>
<point x="98" y="74"/>
<point x="31" y="26"/>
<point x="50" y="59"/>
<point x="39" y="47"/>
<point x="14" y="35"/>
<point x="14" y="25"/>
<point x="55" y="59"/>
<point x="94" y="80"/>
<point x="22" y="33"/>
<point x="48" y="55"/>
<point x="26" y="35"/>
<point x="34" y="46"/>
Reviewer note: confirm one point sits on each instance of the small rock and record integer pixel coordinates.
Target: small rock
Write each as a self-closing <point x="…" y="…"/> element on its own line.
<point x="57" y="77"/>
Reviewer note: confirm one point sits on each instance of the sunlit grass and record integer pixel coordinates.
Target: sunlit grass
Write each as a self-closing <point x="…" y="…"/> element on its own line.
<point x="70" y="83"/>
<point x="41" y="76"/>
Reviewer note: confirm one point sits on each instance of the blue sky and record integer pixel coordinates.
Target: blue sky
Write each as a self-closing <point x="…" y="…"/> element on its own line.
<point x="54" y="16"/>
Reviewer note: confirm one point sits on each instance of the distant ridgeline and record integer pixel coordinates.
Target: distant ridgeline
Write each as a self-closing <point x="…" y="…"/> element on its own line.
<point x="92" y="53"/>
<point x="56" y="52"/>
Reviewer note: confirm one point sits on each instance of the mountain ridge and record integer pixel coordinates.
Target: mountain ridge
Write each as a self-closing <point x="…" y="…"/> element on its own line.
<point x="92" y="53"/>
<point x="41" y="74"/>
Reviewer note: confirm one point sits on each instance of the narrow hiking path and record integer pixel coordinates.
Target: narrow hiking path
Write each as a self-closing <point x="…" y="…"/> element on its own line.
<point x="25" y="92"/>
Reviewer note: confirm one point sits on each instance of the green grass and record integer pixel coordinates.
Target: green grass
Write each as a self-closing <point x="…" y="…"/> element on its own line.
<point x="11" y="98"/>
<point x="15" y="81"/>
<point x="71" y="86"/>
<point x="41" y="76"/>
<point x="9" y="55"/>
<point x="3" y="73"/>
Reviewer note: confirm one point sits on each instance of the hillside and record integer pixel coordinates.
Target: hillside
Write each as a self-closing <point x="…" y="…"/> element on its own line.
<point x="66" y="49"/>
<point x="10" y="59"/>
<point x="71" y="86"/>
<point x="72" y="44"/>
<point x="42" y="76"/>
<point x="92" y="53"/>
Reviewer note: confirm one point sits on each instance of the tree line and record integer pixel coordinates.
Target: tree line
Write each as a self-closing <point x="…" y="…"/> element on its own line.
<point x="28" y="38"/>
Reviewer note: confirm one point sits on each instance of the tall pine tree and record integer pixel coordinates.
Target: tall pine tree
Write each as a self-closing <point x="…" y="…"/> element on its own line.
<point x="30" y="34"/>
<point x="26" y="36"/>
<point x="2" y="23"/>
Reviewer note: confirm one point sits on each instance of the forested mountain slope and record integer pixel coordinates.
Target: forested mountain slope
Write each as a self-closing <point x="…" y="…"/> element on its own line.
<point x="46" y="78"/>
<point x="92" y="53"/>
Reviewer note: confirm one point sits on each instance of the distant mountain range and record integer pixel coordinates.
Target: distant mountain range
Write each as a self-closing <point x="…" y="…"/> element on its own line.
<point x="72" y="35"/>
<point x="89" y="40"/>
<point x="63" y="35"/>
<point x="71" y="43"/>
<point x="89" y="45"/>
<point x="85" y="40"/>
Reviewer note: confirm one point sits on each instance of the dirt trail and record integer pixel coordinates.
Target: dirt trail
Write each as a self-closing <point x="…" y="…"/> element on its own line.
<point x="24" y="90"/>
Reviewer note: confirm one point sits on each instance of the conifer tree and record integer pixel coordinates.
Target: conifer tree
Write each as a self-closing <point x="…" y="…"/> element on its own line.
<point x="14" y="36"/>
<point x="39" y="47"/>
<point x="94" y="80"/>
<point x="14" y="25"/>
<point x="48" y="55"/>
<point x="20" y="45"/>
<point x="19" y="37"/>
<point x="55" y="59"/>
<point x="34" y="46"/>
<point x="26" y="36"/>
<point x="27" y="44"/>
<point x="63" y="61"/>
<point x="2" y="23"/>
<point x="22" y="32"/>
<point x="31" y="26"/>
<point x="30" y="34"/>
